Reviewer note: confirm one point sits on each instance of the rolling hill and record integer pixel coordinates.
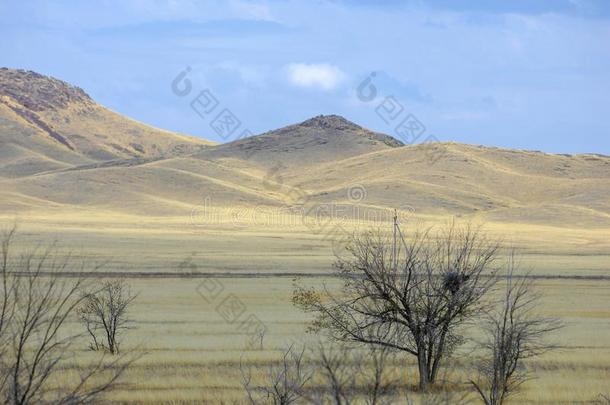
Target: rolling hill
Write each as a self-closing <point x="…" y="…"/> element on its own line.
<point x="47" y="124"/>
<point x="61" y="150"/>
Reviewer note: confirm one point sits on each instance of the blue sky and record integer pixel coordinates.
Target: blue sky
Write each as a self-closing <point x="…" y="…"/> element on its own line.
<point x="527" y="74"/>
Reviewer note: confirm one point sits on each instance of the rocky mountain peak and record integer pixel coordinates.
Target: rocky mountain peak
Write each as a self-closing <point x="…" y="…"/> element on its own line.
<point x="336" y="122"/>
<point x="37" y="92"/>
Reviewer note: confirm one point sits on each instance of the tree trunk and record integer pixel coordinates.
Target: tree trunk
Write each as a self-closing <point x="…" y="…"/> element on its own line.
<point x="423" y="372"/>
<point x="435" y="367"/>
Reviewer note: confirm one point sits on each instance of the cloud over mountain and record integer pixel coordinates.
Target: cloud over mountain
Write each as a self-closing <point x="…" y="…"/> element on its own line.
<point x="315" y="75"/>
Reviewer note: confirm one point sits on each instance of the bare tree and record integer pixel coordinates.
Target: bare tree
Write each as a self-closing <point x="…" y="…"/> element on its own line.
<point x="36" y="306"/>
<point x="411" y="295"/>
<point x="514" y="333"/>
<point x="284" y="383"/>
<point x="7" y="310"/>
<point x="104" y="312"/>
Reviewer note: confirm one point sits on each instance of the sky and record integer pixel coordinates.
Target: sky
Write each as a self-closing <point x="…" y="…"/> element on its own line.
<point x="525" y="74"/>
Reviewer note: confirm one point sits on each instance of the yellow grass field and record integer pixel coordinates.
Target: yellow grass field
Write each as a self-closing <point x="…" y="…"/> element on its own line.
<point x="191" y="354"/>
<point x="284" y="244"/>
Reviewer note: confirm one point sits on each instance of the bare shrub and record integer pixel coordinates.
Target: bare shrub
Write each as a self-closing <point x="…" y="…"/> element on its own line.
<point x="36" y="306"/>
<point x="104" y="313"/>
<point x="284" y="383"/>
<point x="352" y="375"/>
<point x="334" y="374"/>
<point x="379" y="378"/>
<point x="260" y="335"/>
<point x="603" y="399"/>
<point x="411" y="296"/>
<point x="338" y="377"/>
<point x="514" y="333"/>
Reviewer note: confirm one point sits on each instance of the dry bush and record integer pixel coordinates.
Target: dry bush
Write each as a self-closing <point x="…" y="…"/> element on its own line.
<point x="284" y="383"/>
<point x="333" y="374"/>
<point x="603" y="399"/>
<point x="349" y="375"/>
<point x="514" y="333"/>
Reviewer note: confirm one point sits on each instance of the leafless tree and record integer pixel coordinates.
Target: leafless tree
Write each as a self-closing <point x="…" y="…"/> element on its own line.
<point x="104" y="314"/>
<point x="36" y="306"/>
<point x="284" y="383"/>
<point x="514" y="333"/>
<point x="7" y="310"/>
<point x="411" y="295"/>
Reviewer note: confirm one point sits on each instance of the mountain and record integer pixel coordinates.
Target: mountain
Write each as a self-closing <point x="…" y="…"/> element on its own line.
<point x="47" y="124"/>
<point x="59" y="150"/>
<point x="320" y="139"/>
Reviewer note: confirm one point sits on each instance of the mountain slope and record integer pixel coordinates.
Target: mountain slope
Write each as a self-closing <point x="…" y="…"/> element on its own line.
<point x="320" y="139"/>
<point x="59" y="150"/>
<point x="47" y="124"/>
<point x="470" y="181"/>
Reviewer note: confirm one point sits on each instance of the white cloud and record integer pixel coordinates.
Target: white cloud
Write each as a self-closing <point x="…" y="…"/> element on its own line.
<point x="322" y="75"/>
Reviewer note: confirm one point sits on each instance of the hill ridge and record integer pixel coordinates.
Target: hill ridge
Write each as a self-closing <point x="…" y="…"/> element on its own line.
<point x="38" y="92"/>
<point x="116" y="163"/>
<point x="53" y="118"/>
